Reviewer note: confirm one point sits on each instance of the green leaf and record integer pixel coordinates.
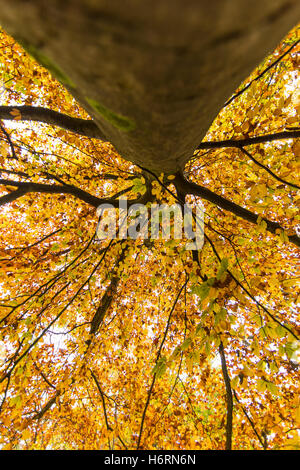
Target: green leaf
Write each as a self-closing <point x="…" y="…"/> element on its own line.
<point x="160" y="368"/>
<point x="290" y="348"/>
<point x="221" y="315"/>
<point x="17" y="401"/>
<point x="20" y="371"/>
<point x="201" y="290"/>
<point x="280" y="331"/>
<point x="200" y="330"/>
<point x="186" y="344"/>
<point x="272" y="388"/>
<point x="55" y="247"/>
<point x="139" y="185"/>
<point x="176" y="353"/>
<point x="223" y="268"/>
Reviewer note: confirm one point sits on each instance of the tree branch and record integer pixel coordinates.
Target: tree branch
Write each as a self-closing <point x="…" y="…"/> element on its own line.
<point x="188" y="187"/>
<point x="29" y="187"/>
<point x="259" y="304"/>
<point x="46" y="407"/>
<point x="250" y="420"/>
<point x="107" y="298"/>
<point x="108" y="427"/>
<point x="239" y="143"/>
<point x="85" y="127"/>
<point x="13" y="196"/>
<point x="61" y="312"/>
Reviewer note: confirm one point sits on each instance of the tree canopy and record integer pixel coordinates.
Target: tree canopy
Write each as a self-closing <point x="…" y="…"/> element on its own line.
<point x="140" y="343"/>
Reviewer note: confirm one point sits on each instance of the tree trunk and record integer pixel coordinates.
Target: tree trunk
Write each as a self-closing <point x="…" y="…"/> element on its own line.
<point x="153" y="74"/>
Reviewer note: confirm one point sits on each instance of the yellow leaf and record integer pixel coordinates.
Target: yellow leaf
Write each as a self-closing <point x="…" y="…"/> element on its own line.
<point x="297" y="415"/>
<point x="247" y="372"/>
<point x="235" y="382"/>
<point x="261" y="385"/>
<point x="16" y="113"/>
<point x="26" y="434"/>
<point x="292" y="120"/>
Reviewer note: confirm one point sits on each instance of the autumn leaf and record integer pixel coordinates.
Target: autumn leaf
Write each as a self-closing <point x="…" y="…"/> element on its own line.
<point x="16" y="114"/>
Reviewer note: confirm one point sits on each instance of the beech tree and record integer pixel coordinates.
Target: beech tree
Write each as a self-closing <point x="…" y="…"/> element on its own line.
<point x="126" y="343"/>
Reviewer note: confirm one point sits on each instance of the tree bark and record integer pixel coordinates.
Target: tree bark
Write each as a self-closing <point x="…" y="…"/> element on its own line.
<point x="153" y="74"/>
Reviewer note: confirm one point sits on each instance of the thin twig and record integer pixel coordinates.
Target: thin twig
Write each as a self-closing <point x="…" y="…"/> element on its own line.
<point x="268" y="170"/>
<point x="109" y="428"/>
<point x="229" y="398"/>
